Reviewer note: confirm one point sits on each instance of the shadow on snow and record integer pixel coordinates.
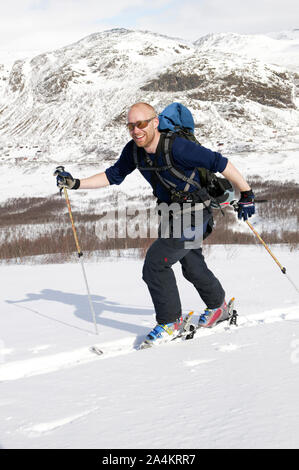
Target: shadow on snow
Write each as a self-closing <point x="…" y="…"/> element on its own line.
<point x="82" y="309"/>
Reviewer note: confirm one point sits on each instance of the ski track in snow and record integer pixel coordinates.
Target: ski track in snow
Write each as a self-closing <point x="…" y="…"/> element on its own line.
<point x="231" y="347"/>
<point x="51" y="363"/>
<point x="197" y="362"/>
<point x="37" y="430"/>
<point x="37" y="349"/>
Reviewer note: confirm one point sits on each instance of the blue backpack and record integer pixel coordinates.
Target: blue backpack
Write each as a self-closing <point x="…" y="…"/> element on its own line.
<point x="175" y="118"/>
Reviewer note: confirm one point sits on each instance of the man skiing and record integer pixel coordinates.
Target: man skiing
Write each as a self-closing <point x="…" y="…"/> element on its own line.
<point x="145" y="142"/>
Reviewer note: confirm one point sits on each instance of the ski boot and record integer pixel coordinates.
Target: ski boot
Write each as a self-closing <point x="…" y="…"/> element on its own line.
<point x="162" y="333"/>
<point x="212" y="316"/>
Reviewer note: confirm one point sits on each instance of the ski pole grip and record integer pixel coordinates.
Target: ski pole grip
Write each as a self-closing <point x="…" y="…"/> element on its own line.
<point x="59" y="169"/>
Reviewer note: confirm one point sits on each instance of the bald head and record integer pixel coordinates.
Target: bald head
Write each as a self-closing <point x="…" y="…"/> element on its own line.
<point x="143" y="107"/>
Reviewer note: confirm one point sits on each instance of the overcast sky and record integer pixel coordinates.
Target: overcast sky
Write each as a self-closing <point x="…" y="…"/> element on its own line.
<point x="47" y="24"/>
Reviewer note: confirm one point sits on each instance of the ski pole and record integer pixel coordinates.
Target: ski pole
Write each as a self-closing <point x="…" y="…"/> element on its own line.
<point x="283" y="269"/>
<point x="80" y="254"/>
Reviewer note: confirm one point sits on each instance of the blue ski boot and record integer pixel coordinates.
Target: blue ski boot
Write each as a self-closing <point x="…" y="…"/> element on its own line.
<point x="162" y="333"/>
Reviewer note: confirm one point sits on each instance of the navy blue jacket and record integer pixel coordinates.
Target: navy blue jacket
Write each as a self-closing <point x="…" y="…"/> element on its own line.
<point x="186" y="156"/>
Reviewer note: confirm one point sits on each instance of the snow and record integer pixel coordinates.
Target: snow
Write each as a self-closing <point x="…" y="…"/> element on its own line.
<point x="234" y="387"/>
<point x="279" y="48"/>
<point x="229" y="387"/>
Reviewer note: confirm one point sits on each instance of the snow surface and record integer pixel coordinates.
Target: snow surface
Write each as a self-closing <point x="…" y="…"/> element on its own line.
<point x="228" y="388"/>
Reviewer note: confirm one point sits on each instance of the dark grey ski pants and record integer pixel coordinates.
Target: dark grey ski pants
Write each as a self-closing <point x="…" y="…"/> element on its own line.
<point x="161" y="282"/>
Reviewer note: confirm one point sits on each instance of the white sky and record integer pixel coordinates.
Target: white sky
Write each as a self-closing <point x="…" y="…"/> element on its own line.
<point x="46" y="24"/>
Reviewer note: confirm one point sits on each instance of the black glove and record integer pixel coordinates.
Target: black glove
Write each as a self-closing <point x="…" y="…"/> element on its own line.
<point x="246" y="207"/>
<point x="65" y="179"/>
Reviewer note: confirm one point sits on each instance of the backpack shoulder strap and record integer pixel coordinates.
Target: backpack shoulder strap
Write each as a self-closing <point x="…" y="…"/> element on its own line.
<point x="152" y="166"/>
<point x="135" y="155"/>
<point x="149" y="164"/>
<point x="167" y="154"/>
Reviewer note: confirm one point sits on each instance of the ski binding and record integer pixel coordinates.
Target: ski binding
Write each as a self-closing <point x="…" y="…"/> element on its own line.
<point x="231" y="319"/>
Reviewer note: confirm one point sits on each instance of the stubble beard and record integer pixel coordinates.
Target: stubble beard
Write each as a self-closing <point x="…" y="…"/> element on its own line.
<point x="146" y="140"/>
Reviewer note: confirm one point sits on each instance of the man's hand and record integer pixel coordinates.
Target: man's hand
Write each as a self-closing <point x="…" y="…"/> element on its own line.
<point x="246" y="207"/>
<point x="65" y="179"/>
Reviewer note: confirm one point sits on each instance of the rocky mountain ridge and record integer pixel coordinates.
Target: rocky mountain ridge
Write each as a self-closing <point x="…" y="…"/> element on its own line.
<point x="78" y="95"/>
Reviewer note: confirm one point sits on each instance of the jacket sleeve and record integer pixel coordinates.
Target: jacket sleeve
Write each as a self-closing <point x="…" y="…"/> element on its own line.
<point x="122" y="167"/>
<point x="191" y="155"/>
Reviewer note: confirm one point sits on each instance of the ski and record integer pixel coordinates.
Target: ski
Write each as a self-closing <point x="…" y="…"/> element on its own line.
<point x="186" y="332"/>
<point x="188" y="329"/>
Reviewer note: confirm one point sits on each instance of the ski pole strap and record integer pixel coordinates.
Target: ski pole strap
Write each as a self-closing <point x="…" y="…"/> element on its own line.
<point x="72" y="222"/>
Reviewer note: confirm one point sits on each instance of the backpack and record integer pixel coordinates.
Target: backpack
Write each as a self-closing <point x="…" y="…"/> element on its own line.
<point x="177" y="120"/>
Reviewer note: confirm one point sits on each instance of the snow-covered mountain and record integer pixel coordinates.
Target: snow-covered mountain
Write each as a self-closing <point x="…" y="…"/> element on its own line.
<point x="81" y="92"/>
<point x="280" y="48"/>
<point x="75" y="92"/>
<point x="69" y="105"/>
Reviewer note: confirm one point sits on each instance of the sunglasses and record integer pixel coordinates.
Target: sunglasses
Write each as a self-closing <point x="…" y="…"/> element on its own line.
<point x="140" y="124"/>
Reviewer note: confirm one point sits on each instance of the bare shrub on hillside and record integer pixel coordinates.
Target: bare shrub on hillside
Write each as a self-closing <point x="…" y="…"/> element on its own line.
<point x="279" y="214"/>
<point x="280" y="217"/>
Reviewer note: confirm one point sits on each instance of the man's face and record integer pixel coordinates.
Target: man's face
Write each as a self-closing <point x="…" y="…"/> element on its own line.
<point x="143" y="137"/>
